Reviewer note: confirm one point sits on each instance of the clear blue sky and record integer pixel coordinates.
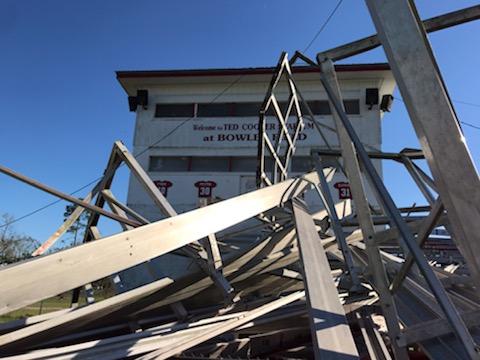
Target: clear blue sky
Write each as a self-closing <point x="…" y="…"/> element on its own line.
<point x="62" y="108"/>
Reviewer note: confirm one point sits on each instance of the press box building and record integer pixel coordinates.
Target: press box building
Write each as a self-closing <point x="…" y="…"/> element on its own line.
<point x="197" y="130"/>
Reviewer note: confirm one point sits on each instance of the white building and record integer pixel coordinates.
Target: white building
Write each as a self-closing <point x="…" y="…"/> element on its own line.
<point x="197" y="139"/>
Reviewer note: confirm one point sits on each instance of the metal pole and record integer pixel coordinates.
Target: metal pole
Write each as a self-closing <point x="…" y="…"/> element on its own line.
<point x="326" y="197"/>
<point x="352" y="167"/>
<point x="437" y="289"/>
<point x="66" y="197"/>
<point x="433" y="117"/>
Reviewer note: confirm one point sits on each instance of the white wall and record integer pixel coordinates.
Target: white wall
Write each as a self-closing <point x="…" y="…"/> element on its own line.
<point x="203" y="136"/>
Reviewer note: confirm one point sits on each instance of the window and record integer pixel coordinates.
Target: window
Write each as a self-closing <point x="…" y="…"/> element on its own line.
<point x="210" y="164"/>
<point x="352" y="106"/>
<point x="215" y="110"/>
<point x="169" y="164"/>
<point x="244" y="109"/>
<point x="301" y="164"/>
<point x="322" y="107"/>
<point x="244" y="164"/>
<point x="229" y="109"/>
<point x="174" y="110"/>
<point x="247" y="109"/>
<point x="241" y="164"/>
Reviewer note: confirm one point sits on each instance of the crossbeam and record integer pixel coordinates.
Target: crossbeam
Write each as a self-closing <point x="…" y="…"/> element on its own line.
<point x="31" y="281"/>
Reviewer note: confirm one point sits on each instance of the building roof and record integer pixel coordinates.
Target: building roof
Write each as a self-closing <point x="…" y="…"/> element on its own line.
<point x="124" y="74"/>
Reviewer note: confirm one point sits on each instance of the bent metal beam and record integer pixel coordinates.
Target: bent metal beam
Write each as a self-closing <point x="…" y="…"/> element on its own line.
<point x="32" y="280"/>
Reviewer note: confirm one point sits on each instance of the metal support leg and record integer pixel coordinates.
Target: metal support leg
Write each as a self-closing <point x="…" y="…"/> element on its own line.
<point x="408" y="241"/>
<point x="352" y="168"/>
<point x="418" y="180"/>
<point x="169" y="211"/>
<point x="427" y="226"/>
<point x="326" y="196"/>
<point x="407" y="48"/>
<point x="211" y="246"/>
<point x="331" y="334"/>
<point x="179" y="310"/>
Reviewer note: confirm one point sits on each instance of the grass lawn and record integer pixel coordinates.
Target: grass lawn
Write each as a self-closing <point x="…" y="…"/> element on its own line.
<point x="58" y="302"/>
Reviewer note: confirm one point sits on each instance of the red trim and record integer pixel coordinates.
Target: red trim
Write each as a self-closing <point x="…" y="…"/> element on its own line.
<point x="244" y="71"/>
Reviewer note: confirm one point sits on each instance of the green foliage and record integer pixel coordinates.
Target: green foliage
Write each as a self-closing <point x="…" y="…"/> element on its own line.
<point x="78" y="227"/>
<point x="14" y="246"/>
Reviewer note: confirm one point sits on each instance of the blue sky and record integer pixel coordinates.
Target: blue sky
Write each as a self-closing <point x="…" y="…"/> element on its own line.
<point x="62" y="107"/>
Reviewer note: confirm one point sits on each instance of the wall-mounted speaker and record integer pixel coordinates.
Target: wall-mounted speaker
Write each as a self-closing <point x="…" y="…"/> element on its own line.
<point x="386" y="103"/>
<point x="371" y="97"/>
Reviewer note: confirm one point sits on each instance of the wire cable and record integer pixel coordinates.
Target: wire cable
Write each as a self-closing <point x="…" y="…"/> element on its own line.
<point x="471" y="125"/>
<point x="170" y="133"/>
<point x="47" y="205"/>
<point x="324" y="25"/>
<point x="460" y="102"/>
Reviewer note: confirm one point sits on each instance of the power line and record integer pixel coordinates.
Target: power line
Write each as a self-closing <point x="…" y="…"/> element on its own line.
<point x="323" y="26"/>
<point x="466" y="103"/>
<point x="471" y="125"/>
<point x="174" y="129"/>
<point x="189" y="119"/>
<point x="46" y="206"/>
<point x="460" y="102"/>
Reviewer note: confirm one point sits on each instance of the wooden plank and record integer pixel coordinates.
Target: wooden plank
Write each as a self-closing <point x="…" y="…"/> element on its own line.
<point x="331" y="334"/>
<point x="33" y="280"/>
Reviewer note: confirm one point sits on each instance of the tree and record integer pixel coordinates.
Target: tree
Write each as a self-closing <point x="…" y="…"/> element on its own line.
<point x="78" y="227"/>
<point x="14" y="246"/>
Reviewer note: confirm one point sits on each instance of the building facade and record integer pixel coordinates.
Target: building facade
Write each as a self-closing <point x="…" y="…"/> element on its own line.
<point x="197" y="130"/>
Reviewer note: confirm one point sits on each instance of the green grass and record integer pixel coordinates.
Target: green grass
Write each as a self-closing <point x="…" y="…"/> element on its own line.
<point x="55" y="303"/>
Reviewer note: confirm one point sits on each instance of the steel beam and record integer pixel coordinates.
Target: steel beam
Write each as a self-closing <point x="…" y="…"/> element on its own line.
<point x="31" y="281"/>
<point x="331" y="334"/>
<point x="77" y="317"/>
<point x="427" y="226"/>
<point x="189" y="342"/>
<point x="108" y="195"/>
<point x="144" y="179"/>
<point x="327" y="199"/>
<point x="433" y="117"/>
<point x="436" y="328"/>
<point x="61" y="195"/>
<point x="433" y="24"/>
<point x="362" y="208"/>
<point x="408" y="241"/>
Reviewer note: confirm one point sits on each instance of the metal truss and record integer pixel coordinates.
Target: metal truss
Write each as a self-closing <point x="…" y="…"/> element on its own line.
<point x="274" y="156"/>
<point x="283" y="294"/>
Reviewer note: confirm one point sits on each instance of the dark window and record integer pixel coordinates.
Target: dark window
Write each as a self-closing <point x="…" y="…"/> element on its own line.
<point x="244" y="164"/>
<point x="352" y="106"/>
<point x="321" y="107"/>
<point x="167" y="164"/>
<point x="228" y="109"/>
<point x="318" y="107"/>
<point x="210" y="164"/>
<point x="247" y="109"/>
<point x="301" y="164"/>
<point x="215" y="110"/>
<point x="174" y="110"/>
<point x="251" y="109"/>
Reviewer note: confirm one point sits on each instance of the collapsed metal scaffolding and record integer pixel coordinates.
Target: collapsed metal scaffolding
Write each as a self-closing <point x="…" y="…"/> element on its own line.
<point x="310" y="285"/>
